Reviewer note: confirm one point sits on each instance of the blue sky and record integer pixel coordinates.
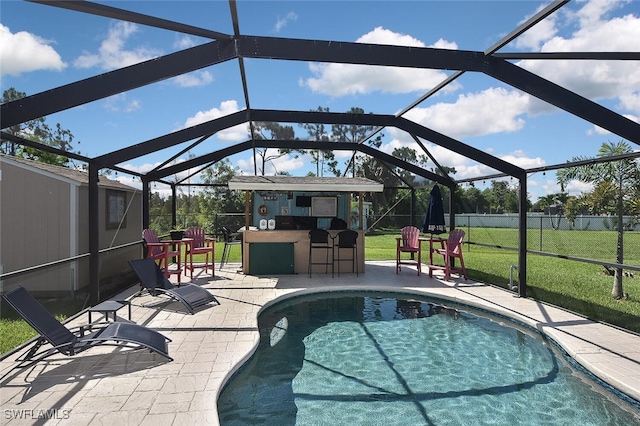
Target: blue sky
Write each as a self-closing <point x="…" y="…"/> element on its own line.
<point x="44" y="47"/>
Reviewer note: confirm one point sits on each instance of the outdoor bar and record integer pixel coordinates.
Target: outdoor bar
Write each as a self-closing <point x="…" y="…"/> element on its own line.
<point x="281" y="210"/>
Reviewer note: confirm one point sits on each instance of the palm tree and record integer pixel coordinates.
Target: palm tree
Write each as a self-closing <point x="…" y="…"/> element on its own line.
<point x="620" y="177"/>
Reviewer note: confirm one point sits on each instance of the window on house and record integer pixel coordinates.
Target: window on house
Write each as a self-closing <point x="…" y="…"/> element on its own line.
<point x="116" y="204"/>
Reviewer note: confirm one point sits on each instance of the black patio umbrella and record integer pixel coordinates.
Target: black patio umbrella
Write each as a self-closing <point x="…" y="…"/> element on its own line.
<point x="434" y="221"/>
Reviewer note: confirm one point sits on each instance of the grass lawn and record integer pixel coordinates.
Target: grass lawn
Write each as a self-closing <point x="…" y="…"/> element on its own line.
<point x="579" y="287"/>
<point x="15" y="331"/>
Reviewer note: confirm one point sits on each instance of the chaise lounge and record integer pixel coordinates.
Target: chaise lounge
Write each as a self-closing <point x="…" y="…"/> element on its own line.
<point x="154" y="282"/>
<point x="67" y="342"/>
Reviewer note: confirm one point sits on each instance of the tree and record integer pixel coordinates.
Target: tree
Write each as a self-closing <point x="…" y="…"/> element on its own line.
<point x="219" y="198"/>
<point x="159" y="213"/>
<point x="323" y="159"/>
<point x="547" y="201"/>
<point x="355" y="133"/>
<point x="502" y="198"/>
<point x="275" y="131"/>
<point x="37" y="130"/>
<point x="374" y="169"/>
<point x="615" y="184"/>
<point x="472" y="200"/>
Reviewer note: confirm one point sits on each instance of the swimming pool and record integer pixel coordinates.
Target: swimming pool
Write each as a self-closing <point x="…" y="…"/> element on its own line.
<point x="372" y="358"/>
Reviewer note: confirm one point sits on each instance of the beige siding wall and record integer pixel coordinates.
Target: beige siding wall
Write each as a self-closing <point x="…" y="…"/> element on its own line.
<point x="44" y="218"/>
<point x="35" y="213"/>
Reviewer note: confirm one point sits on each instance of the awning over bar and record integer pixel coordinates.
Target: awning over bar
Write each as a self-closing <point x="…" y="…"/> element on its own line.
<point x="305" y="183"/>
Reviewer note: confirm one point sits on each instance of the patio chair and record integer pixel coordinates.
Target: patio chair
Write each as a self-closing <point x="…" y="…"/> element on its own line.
<point x="409" y="242"/>
<point x="201" y="244"/>
<point x="450" y="249"/>
<point x="161" y="251"/>
<point x="71" y="342"/>
<point x="154" y="282"/>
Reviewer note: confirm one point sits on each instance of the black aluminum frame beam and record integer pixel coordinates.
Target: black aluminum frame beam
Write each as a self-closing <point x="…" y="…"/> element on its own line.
<point x="154" y="70"/>
<point x="210" y="127"/>
<point x="39" y="145"/>
<point x="138" y="18"/>
<point x="114" y="82"/>
<point x="301" y="144"/>
<point x="171" y="139"/>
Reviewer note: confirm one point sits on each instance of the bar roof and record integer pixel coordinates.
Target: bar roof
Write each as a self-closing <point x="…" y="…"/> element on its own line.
<point x="306" y="183"/>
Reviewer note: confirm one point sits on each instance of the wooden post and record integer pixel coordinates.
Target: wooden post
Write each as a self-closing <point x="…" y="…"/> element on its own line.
<point x="360" y="210"/>
<point x="247" y="209"/>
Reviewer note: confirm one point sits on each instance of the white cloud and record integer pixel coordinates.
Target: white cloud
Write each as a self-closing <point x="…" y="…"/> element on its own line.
<point x="631" y="102"/>
<point x="576" y="187"/>
<point x="25" y="52"/>
<point x="283" y="21"/>
<point x="494" y="110"/>
<point x="120" y="103"/>
<point x="129" y="181"/>
<point x="194" y="79"/>
<point x="183" y="41"/>
<point x="519" y="158"/>
<point x="145" y="168"/>
<point x="539" y="33"/>
<point x="465" y="167"/>
<point x="549" y="186"/>
<point x="112" y="53"/>
<point x="380" y="35"/>
<point x="594" y="10"/>
<point x="348" y="79"/>
<point x="232" y="134"/>
<point x="594" y="80"/>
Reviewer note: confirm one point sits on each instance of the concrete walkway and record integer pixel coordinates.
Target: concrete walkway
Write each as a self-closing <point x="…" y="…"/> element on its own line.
<point x="112" y="386"/>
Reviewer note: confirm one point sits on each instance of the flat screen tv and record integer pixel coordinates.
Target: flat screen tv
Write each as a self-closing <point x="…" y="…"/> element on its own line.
<point x="303" y="201"/>
<point x="324" y="206"/>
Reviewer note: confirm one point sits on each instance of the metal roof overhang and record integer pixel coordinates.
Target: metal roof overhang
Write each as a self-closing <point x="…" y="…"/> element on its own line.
<point x="310" y="184"/>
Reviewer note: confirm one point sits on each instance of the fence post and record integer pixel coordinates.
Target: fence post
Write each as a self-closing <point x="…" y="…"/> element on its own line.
<point x="540" y="233"/>
<point x="468" y="232"/>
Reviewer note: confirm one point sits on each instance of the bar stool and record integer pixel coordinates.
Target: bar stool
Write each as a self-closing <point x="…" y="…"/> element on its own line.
<point x="319" y="240"/>
<point x="347" y="239"/>
<point x="229" y="241"/>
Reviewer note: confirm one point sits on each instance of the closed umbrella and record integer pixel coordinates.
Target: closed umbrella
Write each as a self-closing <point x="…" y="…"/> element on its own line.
<point x="434" y="221"/>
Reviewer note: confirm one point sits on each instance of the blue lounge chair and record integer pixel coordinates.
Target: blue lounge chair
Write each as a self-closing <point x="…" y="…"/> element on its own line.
<point x="71" y="341"/>
<point x="154" y="282"/>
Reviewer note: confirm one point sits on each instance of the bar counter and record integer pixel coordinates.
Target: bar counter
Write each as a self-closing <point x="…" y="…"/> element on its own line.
<point x="272" y="250"/>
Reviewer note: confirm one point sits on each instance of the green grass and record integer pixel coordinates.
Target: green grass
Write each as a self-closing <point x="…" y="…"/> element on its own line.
<point x="579" y="287"/>
<point x="14" y="330"/>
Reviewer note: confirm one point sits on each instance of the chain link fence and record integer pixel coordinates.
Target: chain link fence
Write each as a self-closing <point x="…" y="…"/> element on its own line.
<point x="593" y="238"/>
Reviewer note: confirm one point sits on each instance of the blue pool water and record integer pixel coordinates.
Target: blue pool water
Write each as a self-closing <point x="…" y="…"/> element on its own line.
<point x="373" y="359"/>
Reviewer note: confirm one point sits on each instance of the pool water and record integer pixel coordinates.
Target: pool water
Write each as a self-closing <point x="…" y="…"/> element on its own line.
<point x="386" y="359"/>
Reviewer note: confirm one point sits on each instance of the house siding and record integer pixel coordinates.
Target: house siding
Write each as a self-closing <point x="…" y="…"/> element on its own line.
<point x="44" y="218"/>
<point x="35" y="226"/>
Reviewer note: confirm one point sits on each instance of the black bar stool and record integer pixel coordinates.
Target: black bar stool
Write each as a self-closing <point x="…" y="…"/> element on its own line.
<point x="319" y="240"/>
<point x="347" y="239"/>
<point x="229" y="241"/>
